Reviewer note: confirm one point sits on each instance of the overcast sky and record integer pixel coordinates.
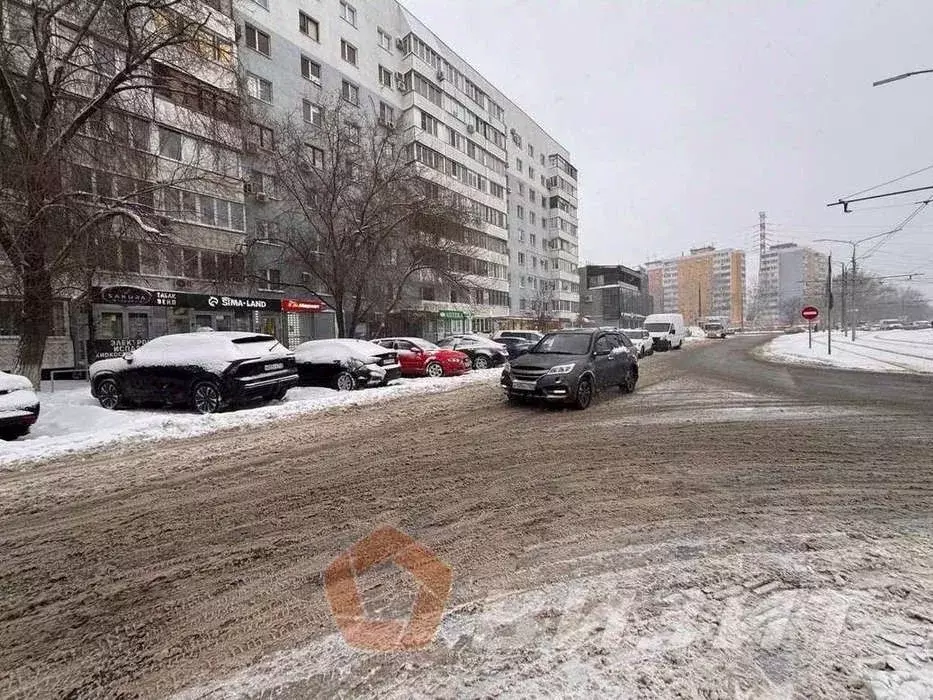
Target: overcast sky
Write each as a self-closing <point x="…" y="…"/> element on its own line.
<point x="686" y="119"/>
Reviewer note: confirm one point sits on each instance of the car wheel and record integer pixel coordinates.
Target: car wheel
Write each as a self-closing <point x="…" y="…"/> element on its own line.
<point x="434" y="370"/>
<point x="480" y="362"/>
<point x="13" y="433"/>
<point x="206" y="398"/>
<point x="631" y="379"/>
<point x="108" y="394"/>
<point x="584" y="394"/>
<point x="345" y="382"/>
<point x="280" y="394"/>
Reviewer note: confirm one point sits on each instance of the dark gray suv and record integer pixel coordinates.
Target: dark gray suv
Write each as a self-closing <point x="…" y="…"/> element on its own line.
<point x="570" y="366"/>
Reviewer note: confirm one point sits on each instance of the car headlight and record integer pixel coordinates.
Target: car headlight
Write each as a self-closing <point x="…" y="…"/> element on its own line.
<point x="562" y="369"/>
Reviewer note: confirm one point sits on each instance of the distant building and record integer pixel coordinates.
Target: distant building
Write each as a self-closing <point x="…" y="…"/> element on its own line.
<point x="790" y="278"/>
<point x="614" y="295"/>
<point x="708" y="282"/>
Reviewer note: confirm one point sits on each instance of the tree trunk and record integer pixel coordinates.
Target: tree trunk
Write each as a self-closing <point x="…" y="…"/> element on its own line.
<point x="341" y="317"/>
<point x="36" y="322"/>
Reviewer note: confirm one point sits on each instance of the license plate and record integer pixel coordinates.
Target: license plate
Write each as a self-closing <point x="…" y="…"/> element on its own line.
<point x="274" y="366"/>
<point x="523" y="386"/>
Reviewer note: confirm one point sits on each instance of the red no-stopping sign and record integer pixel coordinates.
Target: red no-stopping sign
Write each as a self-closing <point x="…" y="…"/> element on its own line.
<point x="809" y="312"/>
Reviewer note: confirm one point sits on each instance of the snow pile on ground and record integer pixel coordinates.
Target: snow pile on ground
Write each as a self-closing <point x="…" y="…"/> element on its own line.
<point x="694" y="334"/>
<point x="877" y="351"/>
<point x="71" y="420"/>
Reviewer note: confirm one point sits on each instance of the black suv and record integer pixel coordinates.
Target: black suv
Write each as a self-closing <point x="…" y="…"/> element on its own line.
<point x="570" y="366"/>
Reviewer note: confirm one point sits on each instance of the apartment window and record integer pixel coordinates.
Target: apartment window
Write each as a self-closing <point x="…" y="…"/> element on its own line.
<point x="348" y="52"/>
<point x="542" y="160"/>
<point x="521" y="236"/>
<point x="518" y="165"/>
<point x="385" y="41"/>
<point x="350" y="93"/>
<point x="427" y="293"/>
<point x="520" y="212"/>
<point x="531" y="238"/>
<point x="521" y="260"/>
<point x="348" y="12"/>
<point x="521" y="189"/>
<point x="532" y="196"/>
<point x="531" y="219"/>
<point x="534" y="263"/>
<point x="258" y="40"/>
<point x="267" y="230"/>
<point x="531" y="151"/>
<point x="262" y="136"/>
<point x="429" y="123"/>
<point x="354" y="133"/>
<point x="169" y="143"/>
<point x="385" y="76"/>
<point x="317" y="157"/>
<point x="543" y="181"/>
<point x="531" y="172"/>
<point x="273" y="279"/>
<point x="259" y="88"/>
<point x="310" y="70"/>
<point x="309" y="26"/>
<point x="313" y="113"/>
<point x="386" y="114"/>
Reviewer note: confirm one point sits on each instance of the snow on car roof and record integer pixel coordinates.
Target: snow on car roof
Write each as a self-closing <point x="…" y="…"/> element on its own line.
<point x="13" y="382"/>
<point x="338" y="349"/>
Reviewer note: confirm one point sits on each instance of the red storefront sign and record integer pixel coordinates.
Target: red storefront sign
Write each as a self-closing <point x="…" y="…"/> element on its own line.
<point x="303" y="305"/>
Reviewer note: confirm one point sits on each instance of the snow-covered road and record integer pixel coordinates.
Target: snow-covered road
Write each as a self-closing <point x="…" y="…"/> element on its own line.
<point x="876" y="351"/>
<point x="71" y="420"/>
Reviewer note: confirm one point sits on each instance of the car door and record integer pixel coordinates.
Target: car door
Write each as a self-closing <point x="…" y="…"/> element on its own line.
<point x="603" y="361"/>
<point x="411" y="362"/>
<point x="466" y="346"/>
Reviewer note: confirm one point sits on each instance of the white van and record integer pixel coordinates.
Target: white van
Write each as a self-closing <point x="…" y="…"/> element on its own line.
<point x="667" y="330"/>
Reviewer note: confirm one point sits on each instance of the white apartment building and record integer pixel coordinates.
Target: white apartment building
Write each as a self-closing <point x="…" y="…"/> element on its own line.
<point x="789" y="277"/>
<point x="471" y="138"/>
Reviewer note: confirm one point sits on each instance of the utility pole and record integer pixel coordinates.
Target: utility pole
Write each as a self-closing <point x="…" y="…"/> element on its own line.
<point x="854" y="307"/>
<point x="844" y="283"/>
<point x="829" y="306"/>
<point x="762" y="251"/>
<point x="699" y="302"/>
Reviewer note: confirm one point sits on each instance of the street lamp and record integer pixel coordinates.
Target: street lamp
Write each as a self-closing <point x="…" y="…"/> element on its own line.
<point x="912" y="73"/>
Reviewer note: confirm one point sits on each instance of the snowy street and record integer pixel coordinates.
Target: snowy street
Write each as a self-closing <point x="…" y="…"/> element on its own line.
<point x="733" y="528"/>
<point x="876" y="351"/>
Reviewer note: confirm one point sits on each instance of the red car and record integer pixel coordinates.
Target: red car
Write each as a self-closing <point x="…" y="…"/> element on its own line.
<point x="419" y="358"/>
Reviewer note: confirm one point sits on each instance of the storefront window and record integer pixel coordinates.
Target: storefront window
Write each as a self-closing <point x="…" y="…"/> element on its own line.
<point x="224" y="322"/>
<point x="204" y="321"/>
<point x="110" y="325"/>
<point x="139" y="326"/>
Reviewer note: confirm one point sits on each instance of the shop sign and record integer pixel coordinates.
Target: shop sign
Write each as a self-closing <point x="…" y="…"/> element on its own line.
<point x="126" y="296"/>
<point x="453" y="315"/>
<point x="106" y="348"/>
<point x="303" y="305"/>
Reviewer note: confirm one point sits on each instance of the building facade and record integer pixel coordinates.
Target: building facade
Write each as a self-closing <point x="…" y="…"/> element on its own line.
<point x="790" y="277"/>
<point x="614" y="295"/>
<point x="470" y="138"/>
<point x="708" y="282"/>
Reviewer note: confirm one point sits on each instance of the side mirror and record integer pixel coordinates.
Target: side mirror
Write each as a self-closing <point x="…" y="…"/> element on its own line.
<point x="673" y="332"/>
<point x="128" y="356"/>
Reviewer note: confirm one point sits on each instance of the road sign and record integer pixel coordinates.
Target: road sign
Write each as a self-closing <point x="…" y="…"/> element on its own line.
<point x="809" y="312"/>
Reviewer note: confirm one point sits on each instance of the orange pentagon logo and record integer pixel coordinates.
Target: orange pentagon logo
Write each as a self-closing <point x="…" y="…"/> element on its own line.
<point x="362" y="632"/>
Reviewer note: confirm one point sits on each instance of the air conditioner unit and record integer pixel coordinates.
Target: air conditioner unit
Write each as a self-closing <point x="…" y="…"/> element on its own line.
<point x="400" y="44"/>
<point x="261" y="196"/>
<point x="440" y="76"/>
<point x="470" y="128"/>
<point x="182" y="284"/>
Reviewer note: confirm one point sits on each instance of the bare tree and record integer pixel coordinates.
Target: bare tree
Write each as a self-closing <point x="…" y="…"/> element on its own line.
<point x="76" y="89"/>
<point x="361" y="216"/>
<point x="543" y="305"/>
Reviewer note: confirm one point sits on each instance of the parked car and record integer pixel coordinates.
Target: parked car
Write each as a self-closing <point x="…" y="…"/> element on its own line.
<point x="208" y="371"/>
<point x="641" y="339"/>
<point x="19" y="406"/>
<point x="530" y="336"/>
<point x="569" y="366"/>
<point x="419" y="357"/>
<point x="346" y="364"/>
<point x="483" y="352"/>
<point x="516" y="346"/>
<point x="667" y="330"/>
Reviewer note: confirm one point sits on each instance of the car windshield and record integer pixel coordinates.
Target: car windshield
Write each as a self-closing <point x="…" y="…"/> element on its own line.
<point x="563" y="343"/>
<point x="658" y="327"/>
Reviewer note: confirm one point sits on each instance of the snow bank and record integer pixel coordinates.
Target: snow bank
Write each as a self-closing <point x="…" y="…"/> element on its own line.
<point x="875" y="351"/>
<point x="695" y="334"/>
<point x="73" y="421"/>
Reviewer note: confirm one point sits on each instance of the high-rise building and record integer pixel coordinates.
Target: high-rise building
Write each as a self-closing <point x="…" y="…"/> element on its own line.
<point x="790" y="278"/>
<point x="474" y="140"/>
<point x="614" y="295"/>
<point x="708" y="282"/>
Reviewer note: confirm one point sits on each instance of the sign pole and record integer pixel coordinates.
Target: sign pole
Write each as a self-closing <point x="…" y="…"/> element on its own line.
<point x="810" y="333"/>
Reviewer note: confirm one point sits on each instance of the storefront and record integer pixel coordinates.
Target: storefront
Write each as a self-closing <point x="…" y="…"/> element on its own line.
<point x="125" y="317"/>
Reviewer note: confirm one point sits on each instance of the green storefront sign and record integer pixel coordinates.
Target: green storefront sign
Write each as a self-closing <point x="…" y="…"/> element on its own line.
<point x="452" y="315"/>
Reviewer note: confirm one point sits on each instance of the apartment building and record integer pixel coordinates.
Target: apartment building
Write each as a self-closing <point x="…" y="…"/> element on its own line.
<point x="471" y="139"/>
<point x="614" y="295"/>
<point x="789" y="278"/>
<point x="707" y="282"/>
